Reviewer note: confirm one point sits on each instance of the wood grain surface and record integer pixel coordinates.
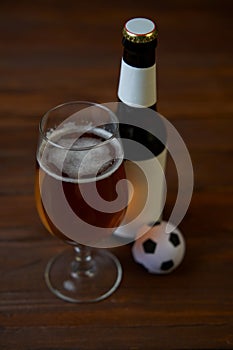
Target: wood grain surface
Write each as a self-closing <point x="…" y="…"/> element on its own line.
<point x="56" y="51"/>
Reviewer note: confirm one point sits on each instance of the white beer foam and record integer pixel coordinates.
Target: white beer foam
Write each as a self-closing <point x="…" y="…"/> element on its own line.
<point x="79" y="165"/>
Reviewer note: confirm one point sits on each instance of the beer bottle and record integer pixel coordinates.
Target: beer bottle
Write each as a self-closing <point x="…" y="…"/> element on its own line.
<point x="137" y="92"/>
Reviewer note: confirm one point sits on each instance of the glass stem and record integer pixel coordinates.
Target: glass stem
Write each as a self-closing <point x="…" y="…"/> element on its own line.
<point x="83" y="264"/>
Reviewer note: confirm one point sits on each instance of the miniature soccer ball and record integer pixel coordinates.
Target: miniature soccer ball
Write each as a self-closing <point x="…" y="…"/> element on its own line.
<point x="159" y="252"/>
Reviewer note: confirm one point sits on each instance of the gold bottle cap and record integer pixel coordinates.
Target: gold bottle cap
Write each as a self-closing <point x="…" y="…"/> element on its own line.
<point x="140" y="30"/>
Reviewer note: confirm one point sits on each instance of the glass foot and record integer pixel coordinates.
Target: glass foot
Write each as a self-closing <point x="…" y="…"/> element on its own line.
<point x="76" y="280"/>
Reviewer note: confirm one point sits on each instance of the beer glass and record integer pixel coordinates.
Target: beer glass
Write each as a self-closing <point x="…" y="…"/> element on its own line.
<point x="81" y="197"/>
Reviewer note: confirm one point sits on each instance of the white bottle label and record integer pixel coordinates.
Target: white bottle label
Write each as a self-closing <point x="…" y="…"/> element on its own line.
<point x="148" y="195"/>
<point x="137" y="86"/>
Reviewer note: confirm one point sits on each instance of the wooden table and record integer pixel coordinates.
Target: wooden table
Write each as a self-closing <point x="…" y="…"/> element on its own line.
<point x="56" y="51"/>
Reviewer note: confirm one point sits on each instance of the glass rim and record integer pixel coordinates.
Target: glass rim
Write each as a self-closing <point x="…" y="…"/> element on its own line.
<point x="88" y="103"/>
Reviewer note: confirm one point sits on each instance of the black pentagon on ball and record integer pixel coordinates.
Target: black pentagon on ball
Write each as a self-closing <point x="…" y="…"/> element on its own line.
<point x="167" y="265"/>
<point x="149" y="246"/>
<point x="174" y="239"/>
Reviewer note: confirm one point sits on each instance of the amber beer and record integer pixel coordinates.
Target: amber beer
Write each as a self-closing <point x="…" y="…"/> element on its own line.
<point x="75" y="172"/>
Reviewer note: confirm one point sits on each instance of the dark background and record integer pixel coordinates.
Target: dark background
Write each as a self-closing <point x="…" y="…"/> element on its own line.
<point x="56" y="51"/>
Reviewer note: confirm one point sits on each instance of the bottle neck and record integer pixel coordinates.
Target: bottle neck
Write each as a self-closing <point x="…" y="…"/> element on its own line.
<point x="137" y="83"/>
<point x="137" y="86"/>
<point x="139" y="55"/>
